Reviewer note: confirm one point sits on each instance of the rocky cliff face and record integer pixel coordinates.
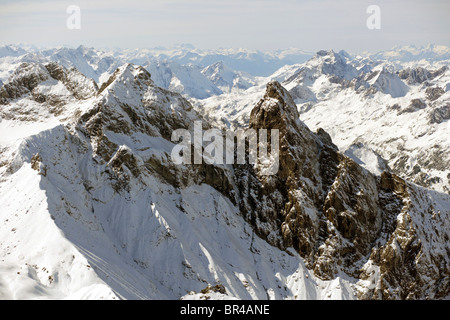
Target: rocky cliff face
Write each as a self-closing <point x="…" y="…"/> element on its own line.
<point x="339" y="216"/>
<point x="399" y="113"/>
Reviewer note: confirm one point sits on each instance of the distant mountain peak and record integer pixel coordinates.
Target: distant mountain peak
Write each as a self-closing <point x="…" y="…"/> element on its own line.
<point x="127" y="76"/>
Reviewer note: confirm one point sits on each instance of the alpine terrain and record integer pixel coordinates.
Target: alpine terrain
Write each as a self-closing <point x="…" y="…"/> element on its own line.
<point x="93" y="206"/>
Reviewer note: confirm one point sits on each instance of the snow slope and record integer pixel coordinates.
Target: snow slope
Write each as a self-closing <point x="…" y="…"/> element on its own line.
<point x="226" y="79"/>
<point x="184" y="79"/>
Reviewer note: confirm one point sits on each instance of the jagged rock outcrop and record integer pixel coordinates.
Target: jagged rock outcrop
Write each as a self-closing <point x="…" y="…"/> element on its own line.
<point x="23" y="81"/>
<point x="414" y="105"/>
<point x="420" y="75"/>
<point x="433" y="93"/>
<point x="439" y="114"/>
<point x="415" y="75"/>
<point x="27" y="78"/>
<point x="337" y="215"/>
<point x="38" y="90"/>
<point x="145" y="110"/>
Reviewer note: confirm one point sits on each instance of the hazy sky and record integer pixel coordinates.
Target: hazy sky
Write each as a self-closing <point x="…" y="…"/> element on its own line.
<point x="209" y="24"/>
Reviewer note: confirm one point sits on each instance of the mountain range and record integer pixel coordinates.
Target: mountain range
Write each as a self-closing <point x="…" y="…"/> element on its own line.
<point x="93" y="207"/>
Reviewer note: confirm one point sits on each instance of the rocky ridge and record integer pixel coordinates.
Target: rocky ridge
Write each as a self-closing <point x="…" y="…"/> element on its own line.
<point x="389" y="236"/>
<point x="339" y="216"/>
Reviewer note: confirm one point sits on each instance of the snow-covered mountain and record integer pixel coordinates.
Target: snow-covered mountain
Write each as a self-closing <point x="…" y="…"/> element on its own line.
<point x="397" y="113"/>
<point x="184" y="79"/>
<point x="254" y="62"/>
<point x="189" y="71"/>
<point x="406" y="54"/>
<point x="93" y="207"/>
<point x="95" y="64"/>
<point x="400" y="114"/>
<point x="11" y="51"/>
<point x="92" y="63"/>
<point x="227" y="79"/>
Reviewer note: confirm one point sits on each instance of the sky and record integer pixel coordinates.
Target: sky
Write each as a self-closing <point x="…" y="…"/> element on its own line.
<point x="210" y="24"/>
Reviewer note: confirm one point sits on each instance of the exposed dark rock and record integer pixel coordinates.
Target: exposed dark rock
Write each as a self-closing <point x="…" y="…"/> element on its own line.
<point x="415" y="105"/>
<point x="23" y="81"/>
<point x="415" y="75"/>
<point x="439" y="114"/>
<point x="334" y="213"/>
<point x="433" y="93"/>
